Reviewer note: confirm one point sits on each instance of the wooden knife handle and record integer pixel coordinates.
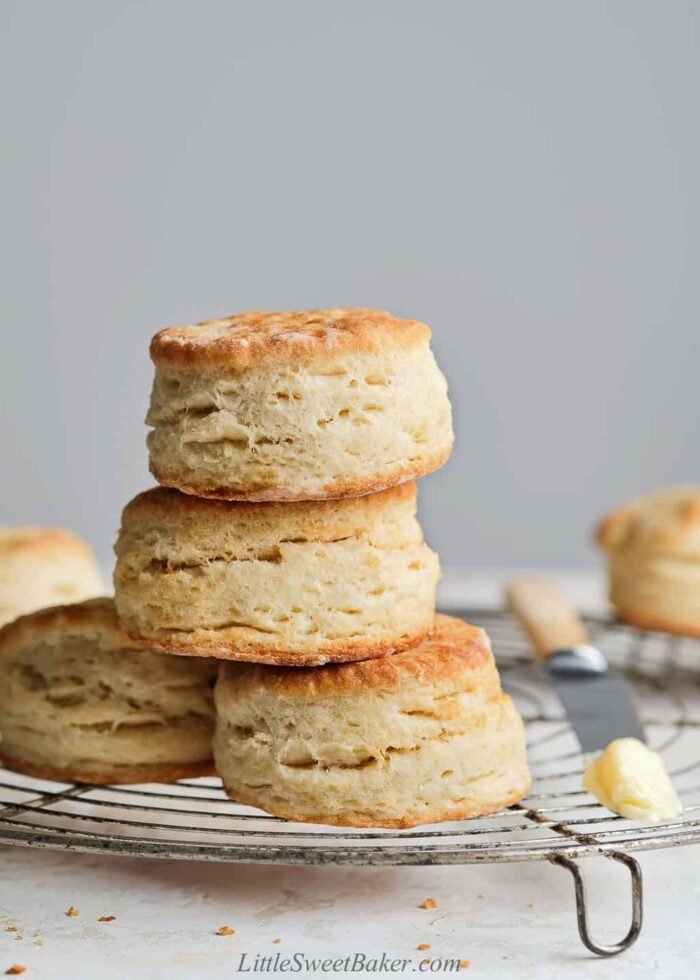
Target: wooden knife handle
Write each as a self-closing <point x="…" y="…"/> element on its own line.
<point x="549" y="619"/>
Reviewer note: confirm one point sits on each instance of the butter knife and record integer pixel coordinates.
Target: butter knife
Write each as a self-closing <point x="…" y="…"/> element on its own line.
<point x="597" y="700"/>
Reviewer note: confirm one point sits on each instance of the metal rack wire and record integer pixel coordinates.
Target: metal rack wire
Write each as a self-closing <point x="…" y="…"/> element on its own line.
<point x="558" y="821"/>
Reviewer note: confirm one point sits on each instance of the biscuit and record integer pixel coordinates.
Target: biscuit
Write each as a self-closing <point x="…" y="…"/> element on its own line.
<point x="44" y="566"/>
<point x="296" y="406"/>
<point x="423" y="736"/>
<point x="283" y="583"/>
<point x="653" y="549"/>
<point x="79" y="703"/>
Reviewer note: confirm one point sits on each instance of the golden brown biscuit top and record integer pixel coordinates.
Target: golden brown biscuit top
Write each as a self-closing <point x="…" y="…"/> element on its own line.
<point x="40" y="540"/>
<point x="246" y="339"/>
<point x="665" y="522"/>
<point x="94" y="618"/>
<point x="163" y="502"/>
<point x="453" y="651"/>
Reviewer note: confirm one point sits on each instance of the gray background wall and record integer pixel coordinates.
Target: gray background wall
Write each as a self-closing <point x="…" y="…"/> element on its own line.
<point x="523" y="176"/>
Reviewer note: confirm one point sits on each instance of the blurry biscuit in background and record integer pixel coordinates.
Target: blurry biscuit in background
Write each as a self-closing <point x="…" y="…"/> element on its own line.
<point x="653" y="550"/>
<point x="79" y="703"/>
<point x="44" y="566"/>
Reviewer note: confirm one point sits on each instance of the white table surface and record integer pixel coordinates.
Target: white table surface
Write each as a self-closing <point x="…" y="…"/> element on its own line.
<point x="507" y="920"/>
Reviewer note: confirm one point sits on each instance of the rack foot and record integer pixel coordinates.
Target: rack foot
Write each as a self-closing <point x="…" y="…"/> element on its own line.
<point x="582" y="912"/>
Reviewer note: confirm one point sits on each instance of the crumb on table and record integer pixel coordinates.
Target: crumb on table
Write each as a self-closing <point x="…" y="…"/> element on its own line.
<point x="72" y="911"/>
<point x="429" y="903"/>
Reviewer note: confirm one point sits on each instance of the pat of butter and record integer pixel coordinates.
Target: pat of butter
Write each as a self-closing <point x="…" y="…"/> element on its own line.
<point x="630" y="779"/>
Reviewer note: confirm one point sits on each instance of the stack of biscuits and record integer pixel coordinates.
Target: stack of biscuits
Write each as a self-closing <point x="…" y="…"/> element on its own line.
<point x="282" y="556"/>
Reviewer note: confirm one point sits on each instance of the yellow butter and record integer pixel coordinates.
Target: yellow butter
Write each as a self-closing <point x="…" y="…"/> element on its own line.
<point x="629" y="778"/>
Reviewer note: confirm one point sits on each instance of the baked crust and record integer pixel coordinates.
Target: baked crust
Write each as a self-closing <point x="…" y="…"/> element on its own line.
<point x="213" y="643"/>
<point x="397" y="477"/>
<point x="360" y="819"/>
<point x="450" y="649"/>
<point x="40" y="541"/>
<point x="165" y="502"/>
<point x="243" y="340"/>
<point x="666" y="522"/>
<point x="657" y="623"/>
<point x="111" y="775"/>
<point x="80" y="618"/>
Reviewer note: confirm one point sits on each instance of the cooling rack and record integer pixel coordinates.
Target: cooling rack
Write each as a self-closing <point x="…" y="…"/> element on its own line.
<point x="557" y="822"/>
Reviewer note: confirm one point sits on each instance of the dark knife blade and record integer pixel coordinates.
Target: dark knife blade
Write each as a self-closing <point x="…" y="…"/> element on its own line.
<point x="597" y="700"/>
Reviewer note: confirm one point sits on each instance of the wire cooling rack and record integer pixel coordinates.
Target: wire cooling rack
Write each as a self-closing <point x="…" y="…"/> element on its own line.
<point x="557" y="822"/>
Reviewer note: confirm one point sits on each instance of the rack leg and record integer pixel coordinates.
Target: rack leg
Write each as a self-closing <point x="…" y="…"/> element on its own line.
<point x="582" y="913"/>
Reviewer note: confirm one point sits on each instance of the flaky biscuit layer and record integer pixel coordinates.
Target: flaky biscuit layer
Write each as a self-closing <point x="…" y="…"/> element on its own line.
<point x="353" y="414"/>
<point x="78" y="701"/>
<point x="423" y="736"/>
<point x="296" y="584"/>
